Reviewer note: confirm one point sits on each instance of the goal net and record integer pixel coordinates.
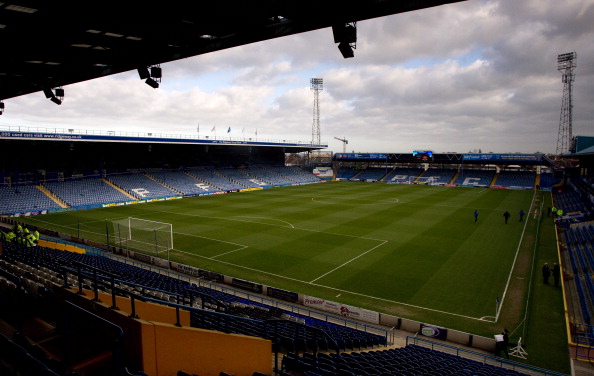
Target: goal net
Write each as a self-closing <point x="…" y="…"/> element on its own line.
<point x="143" y="235"/>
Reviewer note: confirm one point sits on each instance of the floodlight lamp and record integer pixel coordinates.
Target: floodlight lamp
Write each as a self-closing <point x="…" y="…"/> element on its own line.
<point x="350" y="34"/>
<point x="143" y="72"/>
<point x="156" y="72"/>
<point x="1" y="108"/>
<point x="566" y="57"/>
<point x="152" y="83"/>
<point x="59" y="92"/>
<point x="346" y="50"/>
<point x="48" y="92"/>
<point x="56" y="100"/>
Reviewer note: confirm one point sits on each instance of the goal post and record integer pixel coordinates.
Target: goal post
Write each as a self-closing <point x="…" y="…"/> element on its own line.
<point x="143" y="235"/>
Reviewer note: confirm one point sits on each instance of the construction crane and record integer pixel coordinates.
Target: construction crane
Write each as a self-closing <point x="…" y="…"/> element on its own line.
<point x="344" y="143"/>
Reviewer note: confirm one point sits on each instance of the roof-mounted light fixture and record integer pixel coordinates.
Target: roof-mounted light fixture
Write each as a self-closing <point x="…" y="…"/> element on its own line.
<point x="55" y="95"/>
<point x="346" y="37"/>
<point x="151" y="74"/>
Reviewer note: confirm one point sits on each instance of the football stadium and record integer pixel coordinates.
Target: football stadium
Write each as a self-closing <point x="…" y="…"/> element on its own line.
<point x="165" y="254"/>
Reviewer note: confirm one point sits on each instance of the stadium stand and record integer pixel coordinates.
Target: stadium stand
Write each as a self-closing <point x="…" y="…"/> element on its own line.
<point x="24" y="198"/>
<point x="86" y="191"/>
<point x="172" y="289"/>
<point x="347" y="173"/>
<point x="475" y="178"/>
<point x="547" y="181"/>
<point x="437" y="176"/>
<point x="211" y="177"/>
<point x="570" y="201"/>
<point x="183" y="183"/>
<point x="402" y="175"/>
<point x="516" y="179"/>
<point x="239" y="177"/>
<point x="296" y="174"/>
<point x="373" y="174"/>
<point x="312" y="346"/>
<point x="141" y="186"/>
<point x="267" y="175"/>
<point x="411" y="360"/>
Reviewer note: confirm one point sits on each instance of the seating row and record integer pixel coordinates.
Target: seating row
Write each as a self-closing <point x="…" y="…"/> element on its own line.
<point x="412" y="360"/>
<point x="176" y="289"/>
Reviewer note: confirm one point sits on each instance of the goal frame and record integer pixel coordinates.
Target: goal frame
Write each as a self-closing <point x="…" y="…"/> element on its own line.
<point x="158" y="226"/>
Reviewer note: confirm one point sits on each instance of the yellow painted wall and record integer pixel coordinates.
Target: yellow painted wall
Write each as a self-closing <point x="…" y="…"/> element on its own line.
<point x="166" y="348"/>
<point x="145" y="311"/>
<point x="61" y="246"/>
<point x="207" y="353"/>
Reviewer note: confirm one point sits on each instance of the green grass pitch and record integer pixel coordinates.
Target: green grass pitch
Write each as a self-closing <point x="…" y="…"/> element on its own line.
<point x="394" y="248"/>
<point x="409" y="251"/>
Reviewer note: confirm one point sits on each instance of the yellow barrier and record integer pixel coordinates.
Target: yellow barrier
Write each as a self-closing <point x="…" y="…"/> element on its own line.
<point x="61" y="246"/>
<point x="155" y="345"/>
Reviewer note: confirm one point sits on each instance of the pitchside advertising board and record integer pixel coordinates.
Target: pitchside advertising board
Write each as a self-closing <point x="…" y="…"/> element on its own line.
<point x="434" y="331"/>
<point x="360" y="156"/>
<point x="504" y="158"/>
<point x="342" y="309"/>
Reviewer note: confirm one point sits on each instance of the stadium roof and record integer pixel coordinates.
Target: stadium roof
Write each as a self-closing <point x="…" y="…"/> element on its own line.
<point x="49" y="44"/>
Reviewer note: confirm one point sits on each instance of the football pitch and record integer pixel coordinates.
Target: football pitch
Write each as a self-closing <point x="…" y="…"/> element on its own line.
<point x="411" y="251"/>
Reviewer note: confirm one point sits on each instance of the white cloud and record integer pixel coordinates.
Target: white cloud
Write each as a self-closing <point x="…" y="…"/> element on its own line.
<point x="476" y="74"/>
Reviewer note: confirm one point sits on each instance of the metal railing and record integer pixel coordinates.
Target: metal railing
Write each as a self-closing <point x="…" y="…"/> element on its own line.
<point x="5" y="131"/>
<point x="481" y="358"/>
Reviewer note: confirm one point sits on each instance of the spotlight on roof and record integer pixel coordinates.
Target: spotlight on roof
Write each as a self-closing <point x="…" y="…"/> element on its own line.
<point x="152" y="83"/>
<point x="346" y="37"/>
<point x="59" y="91"/>
<point x="156" y="72"/>
<point x="55" y="95"/>
<point x="48" y="92"/>
<point x="143" y="72"/>
<point x="1" y="108"/>
<point x="151" y="74"/>
<point x="346" y="50"/>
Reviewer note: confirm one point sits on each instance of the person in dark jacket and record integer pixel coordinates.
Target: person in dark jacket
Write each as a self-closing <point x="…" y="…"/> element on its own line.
<point x="546" y="273"/>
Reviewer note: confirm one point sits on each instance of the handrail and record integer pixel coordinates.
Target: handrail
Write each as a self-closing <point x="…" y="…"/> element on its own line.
<point x="486" y="359"/>
<point x="300" y="310"/>
<point x="117" y="348"/>
<point x="221" y="315"/>
<point x="69" y="132"/>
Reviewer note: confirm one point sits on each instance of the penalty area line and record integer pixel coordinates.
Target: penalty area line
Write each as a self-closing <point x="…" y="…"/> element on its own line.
<point x="239" y="246"/>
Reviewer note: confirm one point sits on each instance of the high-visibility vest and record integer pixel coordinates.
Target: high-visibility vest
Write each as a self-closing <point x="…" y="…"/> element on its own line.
<point x="30" y="240"/>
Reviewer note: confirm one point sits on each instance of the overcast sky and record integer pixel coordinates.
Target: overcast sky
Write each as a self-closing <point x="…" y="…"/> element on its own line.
<point x="473" y="75"/>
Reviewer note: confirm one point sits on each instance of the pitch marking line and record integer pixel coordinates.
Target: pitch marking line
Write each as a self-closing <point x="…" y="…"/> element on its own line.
<point x="342" y="201"/>
<point x="239" y="246"/>
<point x="272" y="224"/>
<point x="340" y="291"/>
<point x="349" y="261"/>
<point x="272" y="219"/>
<point x="511" y="270"/>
